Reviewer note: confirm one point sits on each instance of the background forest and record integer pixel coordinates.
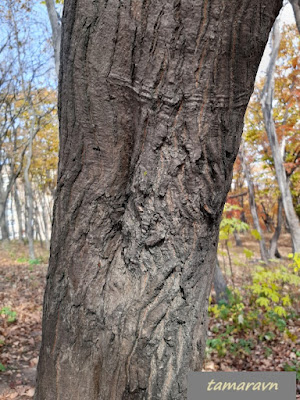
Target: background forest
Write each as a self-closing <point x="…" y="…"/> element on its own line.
<point x="254" y="305"/>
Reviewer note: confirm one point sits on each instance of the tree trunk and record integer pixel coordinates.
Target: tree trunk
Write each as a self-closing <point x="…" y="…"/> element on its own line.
<point x="12" y="219"/>
<point x="56" y="32"/>
<point x="237" y="238"/>
<point x="273" y="251"/>
<point x="296" y="8"/>
<point x="4" y="226"/>
<point x="253" y="208"/>
<point x="151" y="104"/>
<point x="3" y="205"/>
<point x="267" y="219"/>
<point x="220" y="285"/>
<point x="29" y="196"/>
<point x="283" y="181"/>
<point x="43" y="204"/>
<point x="37" y="228"/>
<point x="243" y="215"/>
<point x="19" y="211"/>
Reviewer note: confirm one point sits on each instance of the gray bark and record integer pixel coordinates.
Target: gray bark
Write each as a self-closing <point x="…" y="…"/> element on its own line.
<point x="3" y="205"/>
<point x="4" y="228"/>
<point x="45" y="218"/>
<point x="11" y="221"/>
<point x="18" y="211"/>
<point x="29" y="195"/>
<point x="220" y="285"/>
<point x="56" y="32"/>
<point x="296" y="8"/>
<point x="37" y="229"/>
<point x="237" y="238"/>
<point x="5" y="192"/>
<point x="273" y="251"/>
<point x="252" y="203"/>
<point x="151" y="104"/>
<point x="282" y="179"/>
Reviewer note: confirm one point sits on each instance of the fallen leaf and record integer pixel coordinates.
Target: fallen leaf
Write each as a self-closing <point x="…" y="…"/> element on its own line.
<point x="30" y="392"/>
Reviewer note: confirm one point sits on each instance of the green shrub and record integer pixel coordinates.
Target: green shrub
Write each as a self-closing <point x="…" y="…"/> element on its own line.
<point x="9" y="314"/>
<point x="263" y="306"/>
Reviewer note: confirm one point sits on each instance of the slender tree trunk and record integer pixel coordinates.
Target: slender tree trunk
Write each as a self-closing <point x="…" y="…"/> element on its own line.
<point x="243" y="215"/>
<point x="273" y="251"/>
<point x="296" y="8"/>
<point x="18" y="211"/>
<point x="12" y="216"/>
<point x="220" y="285"/>
<point x="3" y="205"/>
<point x="37" y="227"/>
<point x="151" y="104"/>
<point x="3" y="226"/>
<point x="253" y="208"/>
<point x="29" y="197"/>
<point x="56" y="31"/>
<point x="237" y="239"/>
<point x="283" y="181"/>
<point x="39" y="222"/>
<point x="44" y="218"/>
<point x="267" y="219"/>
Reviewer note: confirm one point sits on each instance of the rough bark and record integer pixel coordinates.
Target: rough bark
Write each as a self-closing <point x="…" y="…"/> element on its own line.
<point x="56" y="32"/>
<point x="220" y="285"/>
<point x="296" y="8"/>
<point x="151" y="104"/>
<point x="253" y="208"/>
<point x="282" y="179"/>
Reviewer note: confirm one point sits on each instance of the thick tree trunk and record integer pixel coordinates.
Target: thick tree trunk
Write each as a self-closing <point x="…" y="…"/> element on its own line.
<point x="151" y="104"/>
<point x="253" y="208"/>
<point x="283" y="181"/>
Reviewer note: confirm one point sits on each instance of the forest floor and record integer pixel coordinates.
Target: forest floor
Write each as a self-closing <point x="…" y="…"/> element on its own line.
<point x="21" y="296"/>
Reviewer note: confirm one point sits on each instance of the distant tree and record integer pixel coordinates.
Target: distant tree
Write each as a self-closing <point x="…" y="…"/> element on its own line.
<point x="267" y="99"/>
<point x="24" y="110"/>
<point x="296" y="7"/>
<point x="252" y="203"/>
<point x="271" y="131"/>
<point x="55" y="22"/>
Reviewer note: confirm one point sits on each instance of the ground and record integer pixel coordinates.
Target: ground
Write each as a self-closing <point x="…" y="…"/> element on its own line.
<point x="21" y="295"/>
